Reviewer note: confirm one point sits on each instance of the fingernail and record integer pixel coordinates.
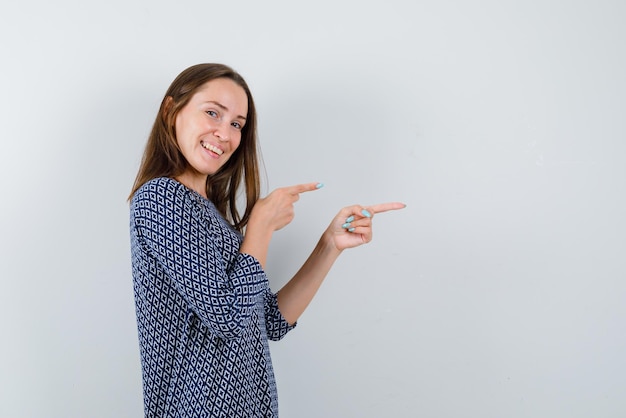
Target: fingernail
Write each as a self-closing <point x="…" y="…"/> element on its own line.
<point x="346" y="225"/>
<point x="319" y="185"/>
<point x="350" y="219"/>
<point x="351" y="230"/>
<point x="366" y="213"/>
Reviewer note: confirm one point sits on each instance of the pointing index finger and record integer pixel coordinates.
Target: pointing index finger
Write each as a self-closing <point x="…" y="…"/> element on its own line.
<point x="305" y="187"/>
<point x="385" y="207"/>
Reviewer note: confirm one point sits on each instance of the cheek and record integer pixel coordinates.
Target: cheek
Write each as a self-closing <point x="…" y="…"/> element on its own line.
<point x="236" y="142"/>
<point x="183" y="131"/>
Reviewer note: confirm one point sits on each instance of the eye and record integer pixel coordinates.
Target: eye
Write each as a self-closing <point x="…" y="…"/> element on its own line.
<point x="212" y="113"/>
<point x="237" y="125"/>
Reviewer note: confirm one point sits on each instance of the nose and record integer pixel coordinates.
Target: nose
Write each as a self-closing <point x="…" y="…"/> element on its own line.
<point x="221" y="132"/>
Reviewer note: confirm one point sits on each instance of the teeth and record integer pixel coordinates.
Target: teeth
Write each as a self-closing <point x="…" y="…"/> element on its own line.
<point x="212" y="148"/>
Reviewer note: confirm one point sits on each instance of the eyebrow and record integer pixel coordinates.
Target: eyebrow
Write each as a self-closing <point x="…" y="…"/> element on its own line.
<point x="224" y="108"/>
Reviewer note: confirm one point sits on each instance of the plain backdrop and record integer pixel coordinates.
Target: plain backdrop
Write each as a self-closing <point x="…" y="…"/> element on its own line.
<point x="498" y="292"/>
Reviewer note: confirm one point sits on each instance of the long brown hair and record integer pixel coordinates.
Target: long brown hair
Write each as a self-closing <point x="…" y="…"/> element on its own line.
<point x="162" y="156"/>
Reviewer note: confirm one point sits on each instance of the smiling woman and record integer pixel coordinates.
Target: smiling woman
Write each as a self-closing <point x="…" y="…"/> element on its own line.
<point x="208" y="130"/>
<point x="204" y="307"/>
<point x="163" y="155"/>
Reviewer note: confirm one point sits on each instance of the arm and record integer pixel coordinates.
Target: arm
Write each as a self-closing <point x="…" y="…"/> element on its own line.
<point x="271" y="214"/>
<point x="296" y="295"/>
<point x="174" y="235"/>
<point x="350" y="228"/>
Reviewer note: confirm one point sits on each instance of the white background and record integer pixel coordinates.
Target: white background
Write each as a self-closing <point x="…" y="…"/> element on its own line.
<point x="498" y="292"/>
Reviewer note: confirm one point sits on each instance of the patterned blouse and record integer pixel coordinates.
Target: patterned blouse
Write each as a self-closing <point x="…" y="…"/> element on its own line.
<point x="205" y="311"/>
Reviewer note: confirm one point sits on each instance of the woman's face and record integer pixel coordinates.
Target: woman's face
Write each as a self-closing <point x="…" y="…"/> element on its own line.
<point x="208" y="128"/>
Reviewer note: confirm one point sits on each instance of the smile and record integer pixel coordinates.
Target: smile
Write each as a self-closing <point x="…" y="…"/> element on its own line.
<point x="212" y="148"/>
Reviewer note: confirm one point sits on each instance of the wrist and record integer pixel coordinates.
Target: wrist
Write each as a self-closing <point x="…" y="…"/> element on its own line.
<point x="328" y="244"/>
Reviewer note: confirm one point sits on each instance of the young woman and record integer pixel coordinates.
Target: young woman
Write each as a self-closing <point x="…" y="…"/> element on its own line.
<point x="204" y="306"/>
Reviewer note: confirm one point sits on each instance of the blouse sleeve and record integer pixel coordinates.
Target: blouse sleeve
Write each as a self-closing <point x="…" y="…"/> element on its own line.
<point x="168" y="228"/>
<point x="275" y="323"/>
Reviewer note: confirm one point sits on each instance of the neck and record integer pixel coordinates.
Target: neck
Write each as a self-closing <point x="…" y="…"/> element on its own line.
<point x="194" y="182"/>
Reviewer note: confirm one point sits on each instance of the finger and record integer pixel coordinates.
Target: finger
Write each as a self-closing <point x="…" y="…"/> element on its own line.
<point x="356" y="219"/>
<point x="302" y="188"/>
<point x="364" y="231"/>
<point x="353" y="220"/>
<point x="385" y="207"/>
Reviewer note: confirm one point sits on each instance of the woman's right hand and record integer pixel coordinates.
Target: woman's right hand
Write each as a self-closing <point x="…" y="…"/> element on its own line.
<point x="276" y="210"/>
<point x="270" y="214"/>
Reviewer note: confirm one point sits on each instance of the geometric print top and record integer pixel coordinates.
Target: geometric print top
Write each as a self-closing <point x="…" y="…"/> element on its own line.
<point x="204" y="311"/>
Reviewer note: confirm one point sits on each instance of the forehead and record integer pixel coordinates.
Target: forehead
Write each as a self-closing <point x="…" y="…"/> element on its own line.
<point x="225" y="92"/>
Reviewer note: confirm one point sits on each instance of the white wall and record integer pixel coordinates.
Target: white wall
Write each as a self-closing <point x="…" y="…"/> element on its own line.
<point x="498" y="292"/>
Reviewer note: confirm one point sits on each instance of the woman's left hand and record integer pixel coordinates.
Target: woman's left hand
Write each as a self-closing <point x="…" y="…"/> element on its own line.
<point x="353" y="224"/>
